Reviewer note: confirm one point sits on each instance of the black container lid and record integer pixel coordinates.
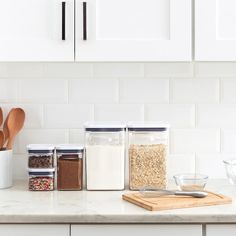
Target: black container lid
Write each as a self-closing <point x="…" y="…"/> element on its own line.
<point x="104" y="127"/>
<point x="148" y="127"/>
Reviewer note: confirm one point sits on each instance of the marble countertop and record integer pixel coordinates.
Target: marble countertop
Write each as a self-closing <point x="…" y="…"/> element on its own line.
<point x="17" y="205"/>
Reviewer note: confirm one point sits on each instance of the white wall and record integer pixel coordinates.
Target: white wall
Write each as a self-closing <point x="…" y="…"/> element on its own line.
<point x="198" y="99"/>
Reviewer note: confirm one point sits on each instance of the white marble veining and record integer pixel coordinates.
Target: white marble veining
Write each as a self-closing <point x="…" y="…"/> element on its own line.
<point x="17" y="205"/>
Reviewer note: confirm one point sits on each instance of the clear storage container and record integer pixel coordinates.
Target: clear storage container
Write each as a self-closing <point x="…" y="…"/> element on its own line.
<point x="40" y="156"/>
<point x="41" y="179"/>
<point x="105" y="156"/>
<point x="148" y="147"/>
<point x="69" y="167"/>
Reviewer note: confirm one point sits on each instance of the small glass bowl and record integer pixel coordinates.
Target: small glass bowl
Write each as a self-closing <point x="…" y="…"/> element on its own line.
<point x="230" y="167"/>
<point x="191" y="182"/>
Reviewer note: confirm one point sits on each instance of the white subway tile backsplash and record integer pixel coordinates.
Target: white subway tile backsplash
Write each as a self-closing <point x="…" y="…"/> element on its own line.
<point x="228" y="90"/>
<point x="118" y="70"/>
<point x="173" y="69"/>
<point x="198" y="99"/>
<point x="66" y="70"/>
<point x="3" y="69"/>
<point x="121" y="112"/>
<point x="190" y="141"/>
<point x="178" y="164"/>
<point x="195" y="90"/>
<point x="93" y="91"/>
<point x="52" y="136"/>
<point x="8" y="90"/>
<point x="24" y="69"/>
<point x="229" y="141"/>
<point x="144" y="91"/>
<point x="216" y="116"/>
<point x="215" y="69"/>
<point x="43" y="91"/>
<point x="177" y="115"/>
<point x="211" y="165"/>
<point x="69" y="116"/>
<point x="20" y="166"/>
<point x="76" y="136"/>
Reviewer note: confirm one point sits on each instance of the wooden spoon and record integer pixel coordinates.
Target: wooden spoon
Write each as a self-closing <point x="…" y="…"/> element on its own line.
<point x="5" y="128"/>
<point x="15" y="123"/>
<point x="1" y="116"/>
<point x="1" y="139"/>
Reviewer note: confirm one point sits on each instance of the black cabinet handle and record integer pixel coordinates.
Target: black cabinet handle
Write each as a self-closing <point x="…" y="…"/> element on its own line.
<point x="63" y="22"/>
<point x="84" y="20"/>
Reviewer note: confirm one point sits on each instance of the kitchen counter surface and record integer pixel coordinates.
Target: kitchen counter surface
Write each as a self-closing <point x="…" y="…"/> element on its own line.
<point x="17" y="205"/>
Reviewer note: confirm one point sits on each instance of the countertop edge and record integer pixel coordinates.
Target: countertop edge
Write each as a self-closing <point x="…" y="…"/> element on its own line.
<point x="169" y="219"/>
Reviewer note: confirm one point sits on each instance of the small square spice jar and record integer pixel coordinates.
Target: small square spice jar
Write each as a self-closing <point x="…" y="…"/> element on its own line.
<point x="40" y="155"/>
<point x="41" y="179"/>
<point x="69" y="167"/>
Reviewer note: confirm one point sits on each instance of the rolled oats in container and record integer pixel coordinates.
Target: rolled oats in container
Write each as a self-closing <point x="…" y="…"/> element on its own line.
<point x="40" y="156"/>
<point x="147" y="151"/>
<point x="41" y="179"/>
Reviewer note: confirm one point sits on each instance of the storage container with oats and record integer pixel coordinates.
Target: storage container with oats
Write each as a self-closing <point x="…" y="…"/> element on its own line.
<point x="148" y="147"/>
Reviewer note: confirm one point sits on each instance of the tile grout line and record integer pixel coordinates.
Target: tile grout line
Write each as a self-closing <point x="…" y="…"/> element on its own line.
<point x="171" y="97"/>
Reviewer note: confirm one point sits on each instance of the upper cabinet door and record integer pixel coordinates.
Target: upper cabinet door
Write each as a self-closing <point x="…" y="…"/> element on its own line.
<point x="133" y="30"/>
<point x="215" y="36"/>
<point x="37" y="30"/>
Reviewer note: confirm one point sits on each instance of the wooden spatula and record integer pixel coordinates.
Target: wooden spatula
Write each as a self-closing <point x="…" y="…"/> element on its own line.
<point x="5" y="128"/>
<point x="15" y="123"/>
<point x="1" y="139"/>
<point x="1" y="116"/>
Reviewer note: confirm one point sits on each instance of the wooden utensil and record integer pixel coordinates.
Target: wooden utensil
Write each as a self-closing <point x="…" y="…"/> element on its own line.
<point x="175" y="202"/>
<point x="15" y="123"/>
<point x="5" y="128"/>
<point x="1" y="139"/>
<point x="1" y="116"/>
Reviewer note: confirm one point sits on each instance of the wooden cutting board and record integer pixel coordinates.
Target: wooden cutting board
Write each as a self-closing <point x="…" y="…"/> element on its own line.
<point x="175" y="202"/>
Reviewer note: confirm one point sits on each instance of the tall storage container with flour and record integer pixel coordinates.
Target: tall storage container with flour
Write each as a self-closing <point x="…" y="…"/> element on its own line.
<point x="105" y="156"/>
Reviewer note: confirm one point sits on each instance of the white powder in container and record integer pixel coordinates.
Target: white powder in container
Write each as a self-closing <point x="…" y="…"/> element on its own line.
<point x="105" y="167"/>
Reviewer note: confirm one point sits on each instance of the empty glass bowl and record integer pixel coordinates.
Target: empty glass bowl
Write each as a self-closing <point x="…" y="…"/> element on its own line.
<point x="230" y="166"/>
<point x="191" y="182"/>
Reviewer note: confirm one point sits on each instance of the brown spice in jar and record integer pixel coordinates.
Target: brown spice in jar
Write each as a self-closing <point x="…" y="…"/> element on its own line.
<point x="147" y="166"/>
<point x="41" y="161"/>
<point x="70" y="173"/>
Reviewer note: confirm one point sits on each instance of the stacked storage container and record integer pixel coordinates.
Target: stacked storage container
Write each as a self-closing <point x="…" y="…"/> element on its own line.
<point x="41" y="167"/>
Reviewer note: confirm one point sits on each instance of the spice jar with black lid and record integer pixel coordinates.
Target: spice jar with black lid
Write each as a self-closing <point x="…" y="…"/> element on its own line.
<point x="69" y="167"/>
<point x="40" y="156"/>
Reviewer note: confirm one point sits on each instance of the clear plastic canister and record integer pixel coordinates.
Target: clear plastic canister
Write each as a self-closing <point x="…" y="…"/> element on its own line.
<point x="40" y="155"/>
<point x="69" y="167"/>
<point x="41" y="179"/>
<point x="147" y="151"/>
<point x="105" y="156"/>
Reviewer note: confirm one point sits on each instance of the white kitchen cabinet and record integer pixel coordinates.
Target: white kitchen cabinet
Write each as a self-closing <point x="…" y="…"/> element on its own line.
<point x="133" y="30"/>
<point x="136" y="230"/>
<point x="32" y="30"/>
<point x="215" y="31"/>
<point x="34" y="230"/>
<point x="219" y="230"/>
